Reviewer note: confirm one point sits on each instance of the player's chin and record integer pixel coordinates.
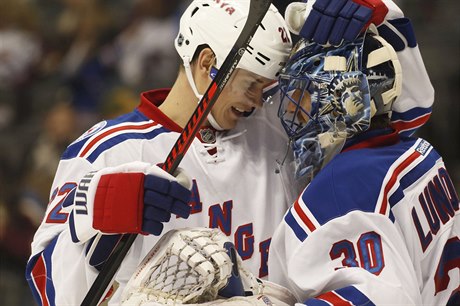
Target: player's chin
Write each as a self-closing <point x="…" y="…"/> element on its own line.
<point x="230" y="120"/>
<point x="229" y="124"/>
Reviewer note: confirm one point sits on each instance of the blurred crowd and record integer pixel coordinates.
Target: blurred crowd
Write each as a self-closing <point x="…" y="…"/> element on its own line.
<point x="66" y="64"/>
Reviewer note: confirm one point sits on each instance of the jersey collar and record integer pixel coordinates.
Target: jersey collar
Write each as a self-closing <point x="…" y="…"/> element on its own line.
<point x="150" y="100"/>
<point x="373" y="139"/>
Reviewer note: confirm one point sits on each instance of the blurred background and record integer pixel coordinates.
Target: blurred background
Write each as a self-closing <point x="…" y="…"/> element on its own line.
<point x="66" y="64"/>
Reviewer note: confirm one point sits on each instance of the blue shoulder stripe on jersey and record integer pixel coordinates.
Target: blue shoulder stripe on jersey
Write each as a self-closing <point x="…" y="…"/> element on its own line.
<point x="349" y="294"/>
<point x="74" y="148"/>
<point x="123" y="137"/>
<point x="348" y="175"/>
<point x="316" y="302"/>
<point x="411" y="114"/>
<point x="50" y="291"/>
<point x="355" y="296"/>
<point x="298" y="231"/>
<point x="412" y="176"/>
<point x="404" y="26"/>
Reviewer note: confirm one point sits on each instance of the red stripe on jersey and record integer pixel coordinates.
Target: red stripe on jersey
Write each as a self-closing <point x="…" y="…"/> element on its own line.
<point x="39" y="276"/>
<point x="114" y="130"/>
<point x="304" y="217"/>
<point x="334" y="299"/>
<point x="408" y="125"/>
<point x="394" y="178"/>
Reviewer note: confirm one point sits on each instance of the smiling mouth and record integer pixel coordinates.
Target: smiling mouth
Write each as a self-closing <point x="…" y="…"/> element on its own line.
<point x="241" y="112"/>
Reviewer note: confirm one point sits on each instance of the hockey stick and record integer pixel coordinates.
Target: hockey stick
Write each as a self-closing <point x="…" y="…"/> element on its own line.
<point x="257" y="11"/>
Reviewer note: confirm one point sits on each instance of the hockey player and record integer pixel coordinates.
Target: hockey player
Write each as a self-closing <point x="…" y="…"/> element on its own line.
<point x="107" y="181"/>
<point x="379" y="222"/>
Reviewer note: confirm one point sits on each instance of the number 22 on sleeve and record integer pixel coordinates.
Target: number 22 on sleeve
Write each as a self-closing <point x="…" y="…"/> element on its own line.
<point x="61" y="198"/>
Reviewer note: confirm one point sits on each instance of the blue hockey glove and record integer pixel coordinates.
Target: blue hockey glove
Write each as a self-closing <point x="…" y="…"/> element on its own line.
<point x="334" y="21"/>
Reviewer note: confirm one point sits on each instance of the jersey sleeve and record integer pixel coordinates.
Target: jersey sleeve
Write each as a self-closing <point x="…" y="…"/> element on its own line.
<point x="413" y="107"/>
<point x="57" y="270"/>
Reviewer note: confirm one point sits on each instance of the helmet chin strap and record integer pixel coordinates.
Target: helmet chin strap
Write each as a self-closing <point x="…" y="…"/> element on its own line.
<point x="191" y="81"/>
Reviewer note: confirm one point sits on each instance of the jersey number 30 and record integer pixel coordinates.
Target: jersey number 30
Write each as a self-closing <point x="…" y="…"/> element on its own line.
<point x="369" y="248"/>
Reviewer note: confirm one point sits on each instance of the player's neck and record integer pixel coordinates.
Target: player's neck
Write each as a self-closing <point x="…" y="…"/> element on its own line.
<point x="180" y="103"/>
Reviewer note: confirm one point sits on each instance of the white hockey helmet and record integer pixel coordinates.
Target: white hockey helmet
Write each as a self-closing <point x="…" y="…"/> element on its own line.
<point x="218" y="24"/>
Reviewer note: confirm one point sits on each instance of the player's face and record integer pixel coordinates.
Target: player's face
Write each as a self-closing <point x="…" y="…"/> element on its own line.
<point x="242" y="94"/>
<point x="304" y="101"/>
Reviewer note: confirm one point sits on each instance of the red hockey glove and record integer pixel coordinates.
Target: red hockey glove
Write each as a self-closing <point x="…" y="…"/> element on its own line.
<point x="132" y="198"/>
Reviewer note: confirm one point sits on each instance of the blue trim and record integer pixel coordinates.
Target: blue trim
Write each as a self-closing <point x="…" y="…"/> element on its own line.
<point x="316" y="302"/>
<point x="411" y="114"/>
<point x="413" y="175"/>
<point x="355" y="296"/>
<point x="392" y="38"/>
<point x="50" y="291"/>
<point x="74" y="148"/>
<point x="292" y="223"/>
<point x="106" y="145"/>
<point x="30" y="265"/>
<point x="103" y="249"/>
<point x="404" y="27"/>
<point x="73" y="232"/>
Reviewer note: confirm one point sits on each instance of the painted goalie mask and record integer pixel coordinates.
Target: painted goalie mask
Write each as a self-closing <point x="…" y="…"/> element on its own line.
<point x="327" y="96"/>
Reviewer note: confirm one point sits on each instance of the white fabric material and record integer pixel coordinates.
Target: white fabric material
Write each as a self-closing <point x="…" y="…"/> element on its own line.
<point x="296" y="13"/>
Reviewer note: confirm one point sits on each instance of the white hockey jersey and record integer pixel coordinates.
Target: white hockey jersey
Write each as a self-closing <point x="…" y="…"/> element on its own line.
<point x="236" y="190"/>
<point x="379" y="225"/>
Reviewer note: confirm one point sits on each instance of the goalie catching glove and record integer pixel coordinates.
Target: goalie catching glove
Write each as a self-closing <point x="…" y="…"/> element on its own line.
<point x="193" y="267"/>
<point x="132" y="198"/>
<point x="333" y="21"/>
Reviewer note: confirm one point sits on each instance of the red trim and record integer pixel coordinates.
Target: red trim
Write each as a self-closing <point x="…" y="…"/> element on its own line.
<point x="39" y="276"/>
<point x="111" y="131"/>
<point x="394" y="177"/>
<point x="304" y="217"/>
<point x="334" y="299"/>
<point x="150" y="100"/>
<point x="409" y="125"/>
<point x="374" y="142"/>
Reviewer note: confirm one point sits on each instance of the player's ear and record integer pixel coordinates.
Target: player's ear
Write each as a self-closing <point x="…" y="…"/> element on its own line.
<point x="206" y="59"/>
